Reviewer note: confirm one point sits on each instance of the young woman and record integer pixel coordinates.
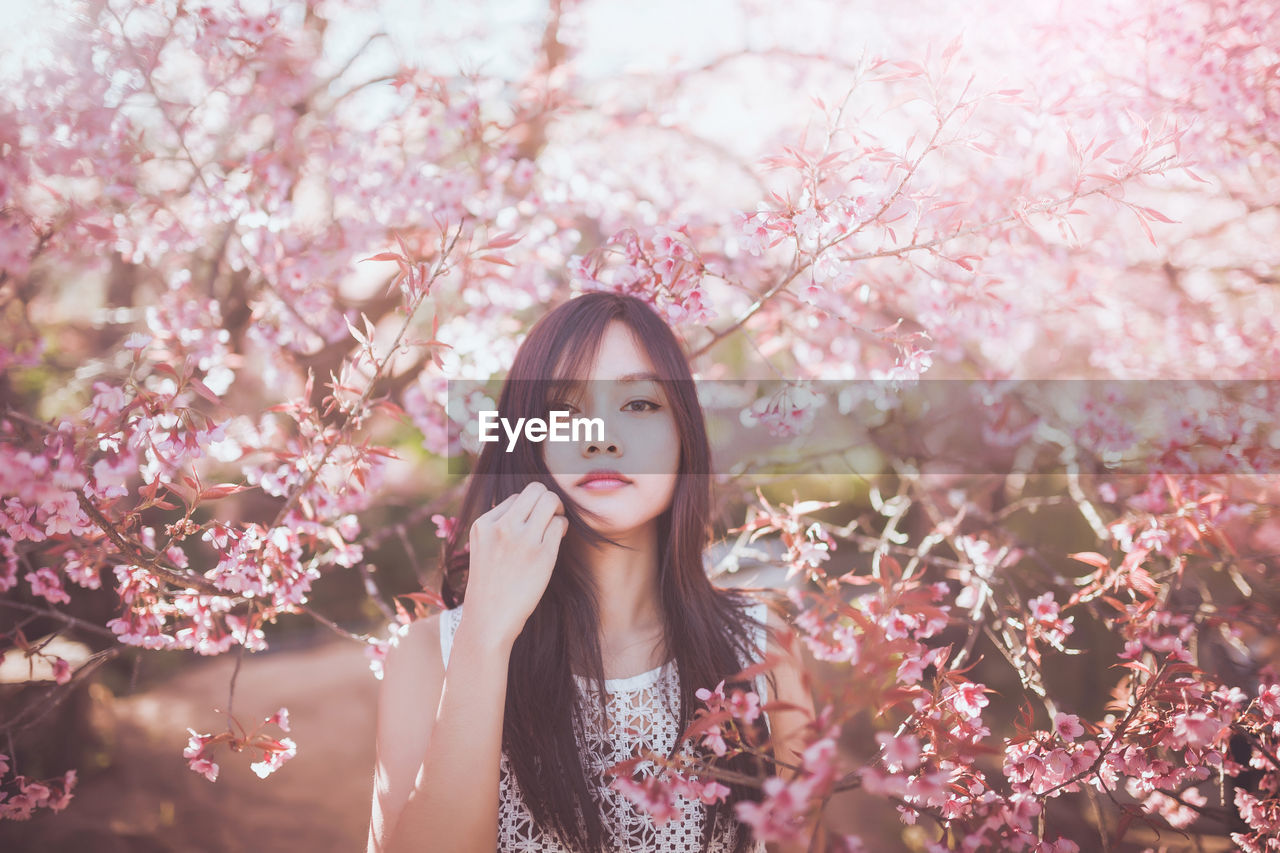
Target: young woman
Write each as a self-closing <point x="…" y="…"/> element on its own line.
<point x="582" y="566"/>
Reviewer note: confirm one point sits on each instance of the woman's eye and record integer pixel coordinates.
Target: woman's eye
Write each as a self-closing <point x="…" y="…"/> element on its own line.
<point x="653" y="406"/>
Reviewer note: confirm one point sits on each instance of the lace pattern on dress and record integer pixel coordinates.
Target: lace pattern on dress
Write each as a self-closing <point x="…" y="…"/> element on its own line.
<point x="640" y="712"/>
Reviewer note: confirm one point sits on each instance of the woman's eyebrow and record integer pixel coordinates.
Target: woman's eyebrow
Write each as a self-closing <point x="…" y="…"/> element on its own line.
<point x="638" y="377"/>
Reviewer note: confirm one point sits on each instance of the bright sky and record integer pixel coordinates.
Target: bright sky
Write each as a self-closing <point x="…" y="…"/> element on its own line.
<point x="618" y="35"/>
<point x="22" y="27"/>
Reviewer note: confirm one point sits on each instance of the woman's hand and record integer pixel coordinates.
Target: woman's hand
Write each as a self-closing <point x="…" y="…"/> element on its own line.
<point x="513" y="550"/>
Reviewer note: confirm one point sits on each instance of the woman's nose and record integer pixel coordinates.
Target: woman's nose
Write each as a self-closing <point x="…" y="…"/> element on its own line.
<point x="612" y="447"/>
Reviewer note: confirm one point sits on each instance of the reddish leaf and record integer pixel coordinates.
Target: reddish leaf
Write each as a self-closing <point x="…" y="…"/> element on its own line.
<point x="1093" y="558"/>
<point x="1155" y="214"/>
<point x="223" y="490"/>
<point x="392" y="409"/>
<point x="204" y="391"/>
<point x="706" y="722"/>
<point x="951" y="50"/>
<point x="405" y="253"/>
<point x="502" y="241"/>
<point x="426" y="596"/>
<point x="1146" y="229"/>
<point x="1122" y="827"/>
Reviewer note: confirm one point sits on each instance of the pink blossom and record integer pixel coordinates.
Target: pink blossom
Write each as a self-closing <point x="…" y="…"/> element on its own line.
<point x="445" y="525"/>
<point x="713" y="739"/>
<point x="969" y="699"/>
<point x="819" y="760"/>
<point x="653" y="796"/>
<point x="755" y="233"/>
<point x="61" y="798"/>
<point x="1067" y="726"/>
<point x="808" y="223"/>
<point x="48" y="585"/>
<point x="274" y="756"/>
<point x="206" y="767"/>
<point x="1269" y="700"/>
<point x="744" y="706"/>
<point x="708" y="792"/>
<point x="1196" y="729"/>
<point x="196" y="744"/>
<point x="788" y="412"/>
<point x="912" y="668"/>
<point x="780" y="814"/>
<point x="900" y="752"/>
<point x="714" y="699"/>
<point x="61" y="670"/>
<point x="712" y="792"/>
<point x="1178" y="815"/>
<point x="1043" y="607"/>
<point x="1062" y="845"/>
<point x="280" y="718"/>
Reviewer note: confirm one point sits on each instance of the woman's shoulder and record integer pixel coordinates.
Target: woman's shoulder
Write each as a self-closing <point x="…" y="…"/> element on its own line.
<point x="421" y="639"/>
<point x="424" y="643"/>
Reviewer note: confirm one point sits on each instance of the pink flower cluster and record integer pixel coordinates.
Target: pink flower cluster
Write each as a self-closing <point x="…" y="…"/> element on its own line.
<point x="1260" y="808"/>
<point x="786" y="413"/>
<point x="740" y="707"/>
<point x="808" y="544"/>
<point x="41" y="490"/>
<point x="274" y="752"/>
<point x="663" y="797"/>
<point x="53" y="794"/>
<point x="787" y="802"/>
<point x="664" y="268"/>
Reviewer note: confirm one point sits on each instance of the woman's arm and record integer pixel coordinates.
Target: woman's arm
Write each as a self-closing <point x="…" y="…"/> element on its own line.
<point x="412" y="677"/>
<point x="439" y="743"/>
<point x="787" y="726"/>
<point x="440" y="732"/>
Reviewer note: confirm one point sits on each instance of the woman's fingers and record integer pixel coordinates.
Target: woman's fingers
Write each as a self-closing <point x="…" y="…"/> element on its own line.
<point x="528" y="499"/>
<point x="514" y="547"/>
<point x="556" y="529"/>
<point x="544" y="510"/>
<point x="517" y="504"/>
<point x="501" y="509"/>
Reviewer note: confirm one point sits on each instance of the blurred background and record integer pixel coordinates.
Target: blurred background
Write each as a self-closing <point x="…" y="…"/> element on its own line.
<point x="825" y="191"/>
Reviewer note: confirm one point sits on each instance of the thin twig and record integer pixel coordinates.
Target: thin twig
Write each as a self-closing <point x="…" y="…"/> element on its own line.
<point x="65" y="617"/>
<point x="57" y="695"/>
<point x="349" y="422"/>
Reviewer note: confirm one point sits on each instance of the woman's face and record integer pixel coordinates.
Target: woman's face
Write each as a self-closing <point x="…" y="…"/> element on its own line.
<point x="640" y="439"/>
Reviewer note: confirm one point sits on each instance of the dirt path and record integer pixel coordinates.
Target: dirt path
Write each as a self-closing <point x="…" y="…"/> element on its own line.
<point x="148" y="799"/>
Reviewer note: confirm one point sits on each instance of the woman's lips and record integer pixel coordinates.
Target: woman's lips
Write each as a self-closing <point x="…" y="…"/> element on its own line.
<point x="603" y="484"/>
<point x="602" y="480"/>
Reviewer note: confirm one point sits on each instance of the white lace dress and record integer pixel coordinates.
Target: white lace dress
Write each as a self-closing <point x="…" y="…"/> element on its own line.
<point x="638" y="715"/>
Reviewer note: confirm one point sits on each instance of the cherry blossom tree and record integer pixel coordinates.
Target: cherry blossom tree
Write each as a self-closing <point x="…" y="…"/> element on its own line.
<point x="246" y="247"/>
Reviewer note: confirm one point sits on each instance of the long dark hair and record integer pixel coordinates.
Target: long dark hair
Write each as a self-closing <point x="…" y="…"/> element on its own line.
<point x="706" y="629"/>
